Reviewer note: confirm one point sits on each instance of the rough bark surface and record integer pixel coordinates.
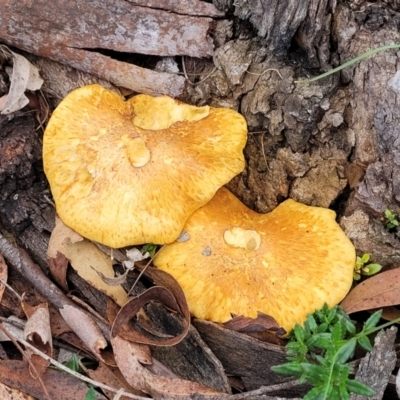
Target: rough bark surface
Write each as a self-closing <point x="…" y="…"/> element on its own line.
<point x="334" y="143"/>
<point x="375" y="369"/>
<point x="78" y="34"/>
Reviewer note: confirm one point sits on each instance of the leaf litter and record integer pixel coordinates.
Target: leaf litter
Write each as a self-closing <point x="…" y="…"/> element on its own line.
<point x="131" y="332"/>
<point x="23" y="76"/>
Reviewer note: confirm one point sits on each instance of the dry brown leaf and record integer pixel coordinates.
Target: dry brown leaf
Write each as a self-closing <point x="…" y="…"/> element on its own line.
<point x="263" y="328"/>
<point x="59" y="385"/>
<point x="112" y="377"/>
<point x="37" y="332"/>
<point x="7" y="393"/>
<point x="376" y="292"/>
<point x="390" y="313"/>
<point x="15" y="328"/>
<point x="3" y="275"/>
<point x="263" y="322"/>
<point x="86" y="258"/>
<point x="169" y="294"/>
<point x="58" y="267"/>
<point x="142" y="379"/>
<point x="23" y="76"/>
<point x="86" y="329"/>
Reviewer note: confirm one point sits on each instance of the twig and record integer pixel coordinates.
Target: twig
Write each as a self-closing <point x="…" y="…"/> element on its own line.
<point x="77" y="374"/>
<point x="143" y="270"/>
<point x="11" y="289"/>
<point x="21" y="350"/>
<point x="187" y="77"/>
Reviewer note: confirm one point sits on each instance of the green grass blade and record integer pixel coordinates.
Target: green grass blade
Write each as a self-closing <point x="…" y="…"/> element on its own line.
<point x="351" y="62"/>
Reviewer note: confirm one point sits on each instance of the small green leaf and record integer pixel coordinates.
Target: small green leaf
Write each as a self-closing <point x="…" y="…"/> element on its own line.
<point x="332" y="314"/>
<point x="292" y="368"/>
<point x="359" y="388"/>
<point x="311" y="323"/>
<point x="323" y="327"/>
<point x="298" y="333"/>
<point x="350" y="327"/>
<point x="343" y="392"/>
<point x="315" y="394"/>
<point x="372" y="321"/>
<point x="149" y="248"/>
<point x="346" y="352"/>
<point x="320" y="340"/>
<point x="372" y="269"/>
<point x="365" y="343"/>
<point x="90" y="394"/>
<point x="314" y="373"/>
<point x="338" y="332"/>
<point x="356" y="276"/>
<point x="73" y="363"/>
<point x="365" y="258"/>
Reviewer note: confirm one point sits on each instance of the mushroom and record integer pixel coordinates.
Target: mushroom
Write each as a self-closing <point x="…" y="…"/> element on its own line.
<point x="286" y="263"/>
<point x="132" y="172"/>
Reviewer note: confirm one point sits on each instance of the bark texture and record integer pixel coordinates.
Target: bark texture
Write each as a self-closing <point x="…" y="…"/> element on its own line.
<point x="79" y="34"/>
<point x="334" y="143"/>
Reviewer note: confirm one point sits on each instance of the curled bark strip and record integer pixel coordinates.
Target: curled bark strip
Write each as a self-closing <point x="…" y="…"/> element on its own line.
<point x="132" y="307"/>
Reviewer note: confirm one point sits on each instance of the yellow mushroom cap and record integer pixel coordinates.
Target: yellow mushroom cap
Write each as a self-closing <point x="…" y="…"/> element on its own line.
<point x="132" y="172"/>
<point x="286" y="263"/>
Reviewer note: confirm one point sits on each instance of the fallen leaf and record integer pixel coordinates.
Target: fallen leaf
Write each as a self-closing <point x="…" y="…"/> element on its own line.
<point x="23" y="76"/>
<point x="86" y="329"/>
<point x="59" y="385"/>
<point x="243" y="324"/>
<point x="86" y="259"/>
<point x="112" y="377"/>
<point x="390" y="313"/>
<point x="37" y="332"/>
<point x="15" y="327"/>
<point x="169" y="294"/>
<point x="142" y="379"/>
<point x="58" y="268"/>
<point x="7" y="393"/>
<point x="3" y="276"/>
<point x="376" y="292"/>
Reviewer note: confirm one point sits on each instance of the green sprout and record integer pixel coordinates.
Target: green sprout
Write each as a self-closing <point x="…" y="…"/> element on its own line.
<point x="319" y="353"/>
<point x="149" y="248"/>
<point x="363" y="268"/>
<point x="392" y="221"/>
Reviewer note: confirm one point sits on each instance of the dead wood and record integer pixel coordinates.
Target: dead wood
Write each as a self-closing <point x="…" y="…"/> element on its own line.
<point x="375" y="369"/>
<point x="63" y="32"/>
<point x="333" y="143"/>
<point x="185" y="7"/>
<point x="248" y="358"/>
<point x="275" y="21"/>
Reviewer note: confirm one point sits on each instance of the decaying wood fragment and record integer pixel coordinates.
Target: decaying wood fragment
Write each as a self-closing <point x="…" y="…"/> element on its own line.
<point x="376" y="367"/>
<point x="247" y="358"/>
<point x="186" y="7"/>
<point x="77" y="33"/>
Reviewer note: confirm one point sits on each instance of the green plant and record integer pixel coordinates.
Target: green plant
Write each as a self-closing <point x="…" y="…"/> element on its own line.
<point x="73" y="363"/>
<point x="319" y="352"/>
<point x="149" y="248"/>
<point x="392" y="221"/>
<point x="351" y="62"/>
<point x="362" y="268"/>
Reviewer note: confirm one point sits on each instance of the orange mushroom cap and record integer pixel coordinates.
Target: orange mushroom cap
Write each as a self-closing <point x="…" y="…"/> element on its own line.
<point x="132" y="172"/>
<point x="286" y="263"/>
